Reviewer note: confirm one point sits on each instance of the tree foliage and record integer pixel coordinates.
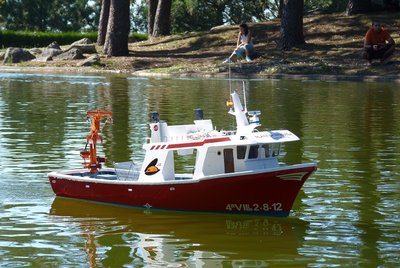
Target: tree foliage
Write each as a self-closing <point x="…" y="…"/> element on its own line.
<point x="185" y="15"/>
<point x="44" y="15"/>
<point x="197" y="15"/>
<point x="200" y="15"/>
<point x="358" y="6"/>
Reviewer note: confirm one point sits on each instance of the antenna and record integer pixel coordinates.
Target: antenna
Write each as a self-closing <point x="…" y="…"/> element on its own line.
<point x="244" y="97"/>
<point x="229" y="77"/>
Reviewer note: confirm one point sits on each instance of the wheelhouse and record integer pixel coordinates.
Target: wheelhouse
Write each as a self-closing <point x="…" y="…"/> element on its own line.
<point x="237" y="158"/>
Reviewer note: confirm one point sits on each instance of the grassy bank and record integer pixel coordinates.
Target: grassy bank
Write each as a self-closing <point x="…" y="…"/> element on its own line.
<point x="333" y="48"/>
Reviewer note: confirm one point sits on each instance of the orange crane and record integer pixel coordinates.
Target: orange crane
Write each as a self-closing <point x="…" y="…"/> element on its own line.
<point x="95" y="161"/>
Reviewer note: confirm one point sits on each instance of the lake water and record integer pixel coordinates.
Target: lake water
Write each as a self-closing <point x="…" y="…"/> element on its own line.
<point x="347" y="215"/>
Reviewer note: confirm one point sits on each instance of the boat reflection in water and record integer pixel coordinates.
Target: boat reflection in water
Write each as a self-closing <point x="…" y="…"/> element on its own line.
<point x="120" y="236"/>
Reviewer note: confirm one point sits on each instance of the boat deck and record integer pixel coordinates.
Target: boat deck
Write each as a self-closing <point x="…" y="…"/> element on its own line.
<point x="121" y="175"/>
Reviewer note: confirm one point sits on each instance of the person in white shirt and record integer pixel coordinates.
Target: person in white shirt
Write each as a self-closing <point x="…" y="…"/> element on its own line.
<point x="244" y="45"/>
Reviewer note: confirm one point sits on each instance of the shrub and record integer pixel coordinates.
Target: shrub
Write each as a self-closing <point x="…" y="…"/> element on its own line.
<point x="42" y="39"/>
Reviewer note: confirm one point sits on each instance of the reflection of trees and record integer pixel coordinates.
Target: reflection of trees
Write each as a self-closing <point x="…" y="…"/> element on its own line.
<point x="35" y="112"/>
<point x="118" y="134"/>
<point x="28" y="110"/>
<point x="176" y="100"/>
<point x="349" y="129"/>
<point x="118" y="253"/>
<point x="375" y="107"/>
<point x="367" y="117"/>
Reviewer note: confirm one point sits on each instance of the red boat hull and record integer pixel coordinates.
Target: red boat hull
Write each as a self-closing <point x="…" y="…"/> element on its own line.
<point x="267" y="193"/>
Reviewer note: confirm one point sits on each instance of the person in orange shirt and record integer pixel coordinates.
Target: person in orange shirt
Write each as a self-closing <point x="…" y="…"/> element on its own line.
<point x="378" y="44"/>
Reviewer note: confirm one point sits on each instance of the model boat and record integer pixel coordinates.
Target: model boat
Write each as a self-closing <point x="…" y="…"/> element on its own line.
<point x="234" y="171"/>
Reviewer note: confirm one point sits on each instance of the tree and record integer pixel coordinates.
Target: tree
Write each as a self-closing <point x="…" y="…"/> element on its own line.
<point x="358" y="6"/>
<point x="292" y="23"/>
<point x="72" y="15"/>
<point x="336" y="6"/>
<point x="280" y="5"/>
<point x="237" y="12"/>
<point x="116" y="43"/>
<point x="197" y="15"/>
<point x="42" y="15"/>
<point x="162" y="23"/>
<point x="219" y="6"/>
<point x="152" y="9"/>
<point x="103" y="22"/>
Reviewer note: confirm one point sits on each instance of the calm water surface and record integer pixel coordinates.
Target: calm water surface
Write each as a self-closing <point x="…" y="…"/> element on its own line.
<point x="347" y="215"/>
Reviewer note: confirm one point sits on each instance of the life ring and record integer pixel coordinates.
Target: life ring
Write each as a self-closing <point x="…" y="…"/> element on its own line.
<point x="155" y="128"/>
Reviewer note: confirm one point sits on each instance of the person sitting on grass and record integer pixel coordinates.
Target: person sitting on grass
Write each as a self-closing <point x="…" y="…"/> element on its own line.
<point x="378" y="44"/>
<point x="244" y="45"/>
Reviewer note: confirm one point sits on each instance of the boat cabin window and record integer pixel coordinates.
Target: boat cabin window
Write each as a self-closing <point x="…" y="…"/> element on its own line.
<point x="241" y="152"/>
<point x="185" y="161"/>
<point x="275" y="149"/>
<point x="258" y="151"/>
<point x="253" y="152"/>
<point x="266" y="150"/>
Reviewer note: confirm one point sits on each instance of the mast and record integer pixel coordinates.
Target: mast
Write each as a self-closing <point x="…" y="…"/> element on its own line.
<point x="94" y="135"/>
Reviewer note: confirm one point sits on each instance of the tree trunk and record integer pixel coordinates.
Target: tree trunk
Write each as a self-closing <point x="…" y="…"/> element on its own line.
<point x="292" y="23"/>
<point x="358" y="6"/>
<point x="280" y="8"/>
<point x="104" y="14"/>
<point x="162" y="23"/>
<point x="116" y="43"/>
<point x="152" y="9"/>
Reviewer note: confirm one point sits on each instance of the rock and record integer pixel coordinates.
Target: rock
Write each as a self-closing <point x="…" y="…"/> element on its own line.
<point x="51" y="52"/>
<point x="220" y="28"/>
<point x="92" y="60"/>
<point x="85" y="45"/>
<point x="43" y="59"/>
<point x="35" y="51"/>
<point x="88" y="49"/>
<point x="83" y="41"/>
<point x="2" y="55"/>
<point x="54" y="45"/>
<point x="17" y="54"/>
<point x="71" y="54"/>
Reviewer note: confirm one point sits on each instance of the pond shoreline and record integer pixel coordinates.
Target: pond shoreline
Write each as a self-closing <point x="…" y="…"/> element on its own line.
<point x="332" y="52"/>
<point x="143" y="73"/>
